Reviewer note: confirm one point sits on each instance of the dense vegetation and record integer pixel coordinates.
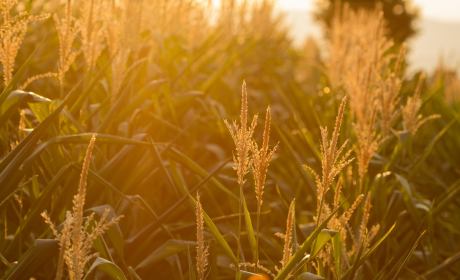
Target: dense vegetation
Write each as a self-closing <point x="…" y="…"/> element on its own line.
<point x="116" y="161"/>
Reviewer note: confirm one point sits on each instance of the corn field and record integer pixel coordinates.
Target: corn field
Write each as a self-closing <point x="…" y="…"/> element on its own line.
<point x="176" y="140"/>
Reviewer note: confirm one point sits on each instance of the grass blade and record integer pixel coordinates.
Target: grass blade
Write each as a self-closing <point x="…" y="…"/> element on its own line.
<point x="370" y="251"/>
<point x="106" y="266"/>
<point x="356" y="265"/>
<point x="43" y="251"/>
<point x="10" y="164"/>
<point x="167" y="249"/>
<point x="250" y="229"/>
<point x="20" y="74"/>
<point x="408" y="256"/>
<point x="337" y="241"/>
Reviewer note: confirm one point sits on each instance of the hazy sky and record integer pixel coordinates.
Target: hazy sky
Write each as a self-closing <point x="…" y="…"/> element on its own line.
<point x="446" y="10"/>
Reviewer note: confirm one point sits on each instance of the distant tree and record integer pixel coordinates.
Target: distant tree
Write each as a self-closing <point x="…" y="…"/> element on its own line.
<point x="400" y="14"/>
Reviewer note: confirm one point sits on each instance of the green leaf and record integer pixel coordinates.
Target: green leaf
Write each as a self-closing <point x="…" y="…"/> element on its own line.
<point x="11" y="163"/>
<point x="6" y="262"/>
<point x="337" y="241"/>
<point x="408" y="200"/>
<point x="38" y="207"/>
<point x="369" y="252"/>
<point x="26" y="96"/>
<point x="299" y="255"/>
<point x="115" y="108"/>
<point x="320" y="267"/>
<point x="394" y="156"/>
<point x="19" y="75"/>
<point x="452" y="193"/>
<point x="85" y="138"/>
<point x="250" y="229"/>
<point x="210" y="82"/>
<point x="201" y="50"/>
<point x="180" y="157"/>
<point x="286" y="143"/>
<point x="309" y="276"/>
<point x="308" y="139"/>
<point x="82" y="97"/>
<point x="141" y="96"/>
<point x="429" y="148"/>
<point x="164" y="169"/>
<point x="356" y="265"/>
<point x="167" y="249"/>
<point x="148" y="230"/>
<point x="133" y="273"/>
<point x="323" y="237"/>
<point x="106" y="266"/>
<point x="191" y="268"/>
<point x="101" y="139"/>
<point x="408" y="256"/>
<point x="40" y="110"/>
<point x="432" y="273"/>
<point x="98" y="179"/>
<point x="215" y="232"/>
<point x="43" y="251"/>
<point x="15" y="101"/>
<point x="100" y="246"/>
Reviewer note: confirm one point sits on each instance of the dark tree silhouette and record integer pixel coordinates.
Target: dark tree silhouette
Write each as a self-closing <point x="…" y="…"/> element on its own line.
<point x="400" y="19"/>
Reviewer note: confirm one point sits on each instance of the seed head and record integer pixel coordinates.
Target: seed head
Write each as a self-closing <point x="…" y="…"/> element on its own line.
<point x="201" y="248"/>
<point x="242" y="136"/>
<point x="75" y="240"/>
<point x="331" y="162"/>
<point x="261" y="159"/>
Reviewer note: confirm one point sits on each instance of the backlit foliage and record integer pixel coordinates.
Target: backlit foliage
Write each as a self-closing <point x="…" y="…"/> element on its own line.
<point x="118" y="108"/>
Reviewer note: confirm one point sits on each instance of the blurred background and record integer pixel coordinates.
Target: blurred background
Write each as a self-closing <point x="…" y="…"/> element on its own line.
<point x="434" y="27"/>
<point x="438" y="21"/>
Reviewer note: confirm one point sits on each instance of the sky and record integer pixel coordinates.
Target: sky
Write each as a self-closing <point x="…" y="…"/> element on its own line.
<point x="443" y="10"/>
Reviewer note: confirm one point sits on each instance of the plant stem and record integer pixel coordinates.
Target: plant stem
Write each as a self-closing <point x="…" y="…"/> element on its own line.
<point x="257" y="239"/>
<point x="319" y="212"/>
<point x="239" y="228"/>
<point x="317" y="225"/>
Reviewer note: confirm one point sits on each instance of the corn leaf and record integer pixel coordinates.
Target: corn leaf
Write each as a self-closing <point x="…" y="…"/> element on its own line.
<point x="108" y="267"/>
<point x="309" y="276"/>
<point x="19" y="75"/>
<point x="249" y="229"/>
<point x="167" y="249"/>
<point x="337" y="241"/>
<point x="43" y="251"/>
<point x="369" y="252"/>
<point x="323" y="237"/>
<point x="408" y="256"/>
<point x="356" y="264"/>
<point x="299" y="255"/>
